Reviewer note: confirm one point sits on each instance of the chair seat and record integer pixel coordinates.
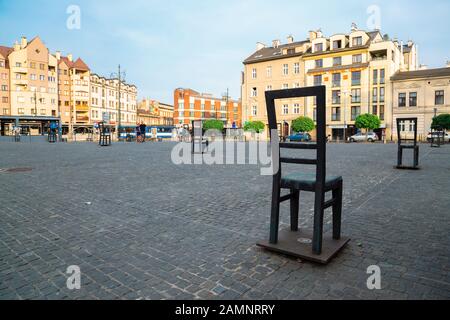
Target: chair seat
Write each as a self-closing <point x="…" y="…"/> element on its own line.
<point x="307" y="181"/>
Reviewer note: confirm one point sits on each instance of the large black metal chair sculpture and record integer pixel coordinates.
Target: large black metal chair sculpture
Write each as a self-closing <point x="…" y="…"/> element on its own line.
<point x="199" y="143"/>
<point x="105" y="135"/>
<point x="437" y="137"/>
<point x="295" y="242"/>
<point x="406" y="142"/>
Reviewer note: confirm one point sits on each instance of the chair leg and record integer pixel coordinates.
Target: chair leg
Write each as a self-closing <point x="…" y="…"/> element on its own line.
<point x="400" y="156"/>
<point x="318" y="223"/>
<point x="337" y="212"/>
<point x="275" y="211"/>
<point x="295" y="195"/>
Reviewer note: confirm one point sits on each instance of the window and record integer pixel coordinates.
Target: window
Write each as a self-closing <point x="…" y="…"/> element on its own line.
<point x="337" y="61"/>
<point x="357" y="58"/>
<point x="336" y="114"/>
<point x="269" y="71"/>
<point x="296" y="108"/>
<point x="439" y="97"/>
<point x="318" y="47"/>
<point x="285" y="109"/>
<point x="296" y="68"/>
<point x="20" y="110"/>
<point x="254" y="110"/>
<point x="180" y="105"/>
<point x="5" y="99"/>
<point x="254" y="92"/>
<point x="318" y="80"/>
<point x="357" y="41"/>
<point x="413" y="99"/>
<point x="285" y="69"/>
<point x="382" y="112"/>
<point x="254" y="73"/>
<point x="42" y="66"/>
<point x="18" y="64"/>
<point x="269" y="87"/>
<point x="382" y="74"/>
<point x="375" y="95"/>
<point x="337" y="44"/>
<point x="285" y="86"/>
<point x="18" y="76"/>
<point x="42" y="77"/>
<point x="336" y="97"/>
<point x="356" y="78"/>
<point x="4" y="87"/>
<point x="356" y="111"/>
<point x="2" y="63"/>
<point x="382" y="94"/>
<point x="375" y="76"/>
<point x="374" y="109"/>
<point x="319" y="63"/>
<point x="402" y="99"/>
<point x="297" y="85"/>
<point x="336" y="80"/>
<point x="356" y="95"/>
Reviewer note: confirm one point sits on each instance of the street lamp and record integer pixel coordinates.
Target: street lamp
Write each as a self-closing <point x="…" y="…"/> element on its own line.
<point x="121" y="76"/>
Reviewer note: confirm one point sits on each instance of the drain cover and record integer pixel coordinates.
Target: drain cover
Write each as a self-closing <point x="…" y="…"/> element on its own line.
<point x="15" y="170"/>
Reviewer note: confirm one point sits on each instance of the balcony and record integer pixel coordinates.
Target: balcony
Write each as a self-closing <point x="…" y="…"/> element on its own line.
<point x="22" y="70"/>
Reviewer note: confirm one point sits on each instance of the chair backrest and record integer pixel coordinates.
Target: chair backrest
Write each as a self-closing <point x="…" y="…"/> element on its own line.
<point x="406" y="139"/>
<point x="320" y="146"/>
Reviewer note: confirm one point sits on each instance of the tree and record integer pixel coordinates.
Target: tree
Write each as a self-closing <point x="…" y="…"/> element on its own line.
<point x="442" y="121"/>
<point x="303" y="124"/>
<point x="367" y="121"/>
<point x="213" y="124"/>
<point x="255" y="126"/>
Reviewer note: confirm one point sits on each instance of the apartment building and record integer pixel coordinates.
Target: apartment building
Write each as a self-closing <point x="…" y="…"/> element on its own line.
<point x="274" y="68"/>
<point x="105" y="96"/>
<point x="5" y="106"/>
<point x="355" y="67"/>
<point x="155" y="113"/>
<point x="74" y="92"/>
<point x="190" y="105"/>
<point x="422" y="94"/>
<point x="32" y="99"/>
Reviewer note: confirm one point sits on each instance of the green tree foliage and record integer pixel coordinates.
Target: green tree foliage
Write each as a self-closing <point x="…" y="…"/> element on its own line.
<point x="255" y="126"/>
<point x="213" y="124"/>
<point x="303" y="124"/>
<point x="367" y="121"/>
<point x="442" y="121"/>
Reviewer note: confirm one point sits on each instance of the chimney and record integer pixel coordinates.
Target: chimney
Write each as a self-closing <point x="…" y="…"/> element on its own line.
<point x="354" y="27"/>
<point x="70" y="57"/>
<point x="447" y="64"/>
<point x="410" y="43"/>
<point x="290" y="39"/>
<point x="16" y="46"/>
<point x="259" y="46"/>
<point x="23" y="42"/>
<point x="275" y="43"/>
<point x="58" y="55"/>
<point x="319" y="33"/>
<point x="312" y="35"/>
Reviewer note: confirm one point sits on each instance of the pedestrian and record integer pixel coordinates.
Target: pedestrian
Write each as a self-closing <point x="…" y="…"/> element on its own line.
<point x="138" y="133"/>
<point x="142" y="130"/>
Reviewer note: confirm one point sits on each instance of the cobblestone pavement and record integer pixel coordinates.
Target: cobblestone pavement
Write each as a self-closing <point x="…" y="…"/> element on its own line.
<point x="140" y="227"/>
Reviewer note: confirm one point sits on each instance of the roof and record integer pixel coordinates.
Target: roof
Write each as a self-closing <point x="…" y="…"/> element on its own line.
<point x="271" y="53"/>
<point x="78" y="64"/>
<point x="427" y="73"/>
<point x="373" y="34"/>
<point x="5" y="51"/>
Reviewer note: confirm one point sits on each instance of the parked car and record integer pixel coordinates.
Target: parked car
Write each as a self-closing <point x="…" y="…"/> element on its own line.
<point x="446" y="137"/>
<point x="363" y="137"/>
<point x="299" y="137"/>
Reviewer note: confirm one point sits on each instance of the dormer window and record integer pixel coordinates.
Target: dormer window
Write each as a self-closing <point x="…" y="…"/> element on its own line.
<point x="337" y="44"/>
<point x="318" y="47"/>
<point x="357" y="41"/>
<point x="291" y="51"/>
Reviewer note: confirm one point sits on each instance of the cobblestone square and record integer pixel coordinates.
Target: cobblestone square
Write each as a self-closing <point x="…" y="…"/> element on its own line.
<point x="141" y="227"/>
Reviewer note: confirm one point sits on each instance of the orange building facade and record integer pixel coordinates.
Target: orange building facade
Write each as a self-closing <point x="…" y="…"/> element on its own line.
<point x="190" y="105"/>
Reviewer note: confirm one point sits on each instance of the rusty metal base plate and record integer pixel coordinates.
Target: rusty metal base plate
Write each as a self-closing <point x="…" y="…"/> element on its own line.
<point x="406" y="168"/>
<point x="299" y="245"/>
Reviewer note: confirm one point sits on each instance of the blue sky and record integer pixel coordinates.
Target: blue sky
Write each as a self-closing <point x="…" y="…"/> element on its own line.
<point x="201" y="44"/>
